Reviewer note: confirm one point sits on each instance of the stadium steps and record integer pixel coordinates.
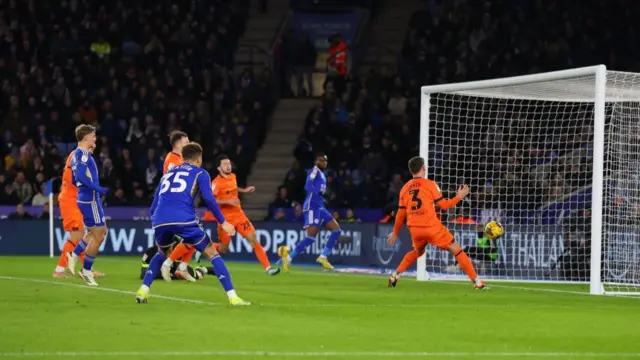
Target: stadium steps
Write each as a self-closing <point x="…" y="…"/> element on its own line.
<point x="276" y="156"/>
<point x="386" y="37"/>
<point x="259" y="34"/>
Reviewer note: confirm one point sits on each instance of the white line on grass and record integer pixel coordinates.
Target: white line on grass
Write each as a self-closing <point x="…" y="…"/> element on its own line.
<point x="325" y="354"/>
<point x="285" y="305"/>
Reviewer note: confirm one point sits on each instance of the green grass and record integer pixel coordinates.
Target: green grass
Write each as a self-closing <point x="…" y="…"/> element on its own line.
<point x="302" y="314"/>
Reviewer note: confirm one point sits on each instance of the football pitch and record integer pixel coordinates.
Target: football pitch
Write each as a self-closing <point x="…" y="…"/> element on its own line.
<point x="303" y="314"/>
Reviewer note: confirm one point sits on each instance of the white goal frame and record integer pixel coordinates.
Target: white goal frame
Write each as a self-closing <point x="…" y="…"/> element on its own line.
<point x="599" y="101"/>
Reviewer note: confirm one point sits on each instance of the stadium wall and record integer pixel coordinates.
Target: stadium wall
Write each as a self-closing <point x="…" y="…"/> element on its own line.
<point x="525" y="249"/>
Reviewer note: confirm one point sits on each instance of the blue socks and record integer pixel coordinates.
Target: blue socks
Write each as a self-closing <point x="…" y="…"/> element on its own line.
<point x="331" y="243"/>
<point x="301" y="246"/>
<point x="88" y="262"/>
<point x="82" y="246"/>
<point x="221" y="272"/>
<point x="154" y="268"/>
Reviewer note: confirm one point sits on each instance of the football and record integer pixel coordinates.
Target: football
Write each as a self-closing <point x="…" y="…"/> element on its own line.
<point x="283" y="251"/>
<point x="494" y="230"/>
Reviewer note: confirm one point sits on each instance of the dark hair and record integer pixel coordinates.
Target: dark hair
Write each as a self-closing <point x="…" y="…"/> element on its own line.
<point x="83" y="130"/>
<point x="220" y="158"/>
<point x="415" y="164"/>
<point x="191" y="151"/>
<point x="320" y="154"/>
<point x="176" y="136"/>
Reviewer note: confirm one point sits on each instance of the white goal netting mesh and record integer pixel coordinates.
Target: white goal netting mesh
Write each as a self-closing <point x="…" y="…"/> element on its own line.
<point x="527" y="153"/>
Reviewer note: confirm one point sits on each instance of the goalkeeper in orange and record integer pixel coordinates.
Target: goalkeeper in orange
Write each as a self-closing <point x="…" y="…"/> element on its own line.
<point x="418" y="199"/>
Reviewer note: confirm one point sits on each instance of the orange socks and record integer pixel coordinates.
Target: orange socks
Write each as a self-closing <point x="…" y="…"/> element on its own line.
<point x="188" y="255"/>
<point x="466" y="265"/>
<point x="178" y="252"/>
<point x="408" y="260"/>
<point x="66" y="248"/>
<point x="261" y="255"/>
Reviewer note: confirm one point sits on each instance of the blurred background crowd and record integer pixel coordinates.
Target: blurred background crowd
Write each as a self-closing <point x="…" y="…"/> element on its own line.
<point x="139" y="69"/>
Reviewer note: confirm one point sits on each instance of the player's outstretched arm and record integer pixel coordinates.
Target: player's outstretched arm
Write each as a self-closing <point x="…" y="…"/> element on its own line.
<point x="80" y="172"/>
<point x="444" y="204"/>
<point x="248" y="189"/>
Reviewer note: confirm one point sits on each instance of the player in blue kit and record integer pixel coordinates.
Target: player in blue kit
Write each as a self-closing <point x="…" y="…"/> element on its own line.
<point x="315" y="216"/>
<point x="174" y="215"/>
<point x="85" y="177"/>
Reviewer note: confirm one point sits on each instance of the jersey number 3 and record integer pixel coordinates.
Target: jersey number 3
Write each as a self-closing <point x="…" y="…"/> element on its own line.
<point x="417" y="202"/>
<point x="175" y="185"/>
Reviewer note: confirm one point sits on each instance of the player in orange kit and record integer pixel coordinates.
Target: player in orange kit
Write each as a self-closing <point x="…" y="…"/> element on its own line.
<point x="72" y="221"/>
<point x="418" y="199"/>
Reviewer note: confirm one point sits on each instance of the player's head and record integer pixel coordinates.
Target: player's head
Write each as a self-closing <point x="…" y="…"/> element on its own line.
<point x="178" y="140"/>
<point x="192" y="153"/>
<point x="224" y="164"/>
<point x="416" y="166"/>
<point x="321" y="161"/>
<point x="86" y="136"/>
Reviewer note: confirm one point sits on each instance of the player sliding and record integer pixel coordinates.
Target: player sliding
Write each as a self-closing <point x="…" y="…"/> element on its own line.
<point x="315" y="216"/>
<point x="173" y="215"/>
<point x="417" y="199"/>
<point x="178" y="140"/>
<point x="197" y="273"/>
<point x="71" y="220"/>
<point x="85" y="176"/>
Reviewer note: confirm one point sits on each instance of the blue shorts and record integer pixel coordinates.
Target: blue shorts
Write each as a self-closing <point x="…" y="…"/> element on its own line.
<point x="316" y="217"/>
<point x="191" y="234"/>
<point x="92" y="213"/>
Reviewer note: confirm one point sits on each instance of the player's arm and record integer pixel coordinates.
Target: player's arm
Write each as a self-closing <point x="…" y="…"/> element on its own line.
<point x="311" y="185"/>
<point x="81" y="172"/>
<point x="444" y="204"/>
<point x="206" y="192"/>
<point x="401" y="215"/>
<point x="248" y="189"/>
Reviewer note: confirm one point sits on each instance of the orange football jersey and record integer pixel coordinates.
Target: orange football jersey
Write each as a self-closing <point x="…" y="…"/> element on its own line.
<point x="68" y="190"/>
<point x="226" y="188"/>
<point x="170" y="161"/>
<point x="418" y="197"/>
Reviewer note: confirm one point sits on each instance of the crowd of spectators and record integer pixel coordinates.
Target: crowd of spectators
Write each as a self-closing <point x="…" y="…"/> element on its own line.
<point x="371" y="131"/>
<point x="134" y="69"/>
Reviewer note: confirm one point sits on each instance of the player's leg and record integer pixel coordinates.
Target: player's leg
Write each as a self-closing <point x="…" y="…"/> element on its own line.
<point x="94" y="220"/>
<point x="312" y="227"/>
<point x="248" y="231"/>
<point x="182" y="270"/>
<point x="201" y="241"/>
<point x="444" y="240"/>
<point x="419" y="242"/>
<point x="165" y="242"/>
<point x="334" y="235"/>
<point x="71" y="223"/>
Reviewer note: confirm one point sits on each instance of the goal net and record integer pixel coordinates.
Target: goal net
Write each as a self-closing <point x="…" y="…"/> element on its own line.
<point x="554" y="157"/>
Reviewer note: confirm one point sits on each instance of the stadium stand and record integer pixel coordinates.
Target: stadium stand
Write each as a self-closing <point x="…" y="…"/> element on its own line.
<point x="369" y="132"/>
<point x="160" y="66"/>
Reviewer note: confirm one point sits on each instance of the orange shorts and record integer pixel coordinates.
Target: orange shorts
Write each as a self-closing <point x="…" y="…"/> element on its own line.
<point x="242" y="224"/>
<point x="437" y="236"/>
<point x="72" y="219"/>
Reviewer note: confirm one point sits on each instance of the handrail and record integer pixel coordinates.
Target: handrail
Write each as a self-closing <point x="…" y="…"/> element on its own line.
<point x="284" y="23"/>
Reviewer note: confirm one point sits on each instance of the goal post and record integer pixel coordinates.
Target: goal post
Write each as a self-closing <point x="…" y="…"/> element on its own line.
<point x="555" y="157"/>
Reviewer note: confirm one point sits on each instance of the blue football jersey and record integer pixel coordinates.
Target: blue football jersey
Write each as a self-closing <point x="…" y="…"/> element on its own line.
<point x="173" y="201"/>
<point x="85" y="175"/>
<point x="315" y="186"/>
